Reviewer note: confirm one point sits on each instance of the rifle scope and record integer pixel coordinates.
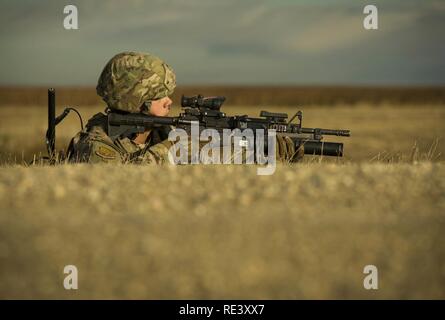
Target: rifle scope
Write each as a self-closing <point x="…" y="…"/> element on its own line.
<point x="213" y="103"/>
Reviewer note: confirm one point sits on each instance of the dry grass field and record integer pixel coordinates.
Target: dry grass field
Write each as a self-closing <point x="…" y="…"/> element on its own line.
<point x="307" y="231"/>
<point x="222" y="231"/>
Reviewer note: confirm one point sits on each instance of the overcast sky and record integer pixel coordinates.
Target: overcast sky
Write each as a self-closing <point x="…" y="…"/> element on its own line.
<point x="227" y="41"/>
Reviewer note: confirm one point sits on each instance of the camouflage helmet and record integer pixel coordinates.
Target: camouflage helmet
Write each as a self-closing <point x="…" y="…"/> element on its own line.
<point x="131" y="78"/>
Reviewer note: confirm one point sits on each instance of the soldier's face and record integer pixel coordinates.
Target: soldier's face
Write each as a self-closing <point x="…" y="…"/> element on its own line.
<point x="161" y="107"/>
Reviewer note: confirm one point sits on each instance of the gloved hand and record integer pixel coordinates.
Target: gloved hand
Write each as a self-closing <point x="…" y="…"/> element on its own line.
<point x="286" y="150"/>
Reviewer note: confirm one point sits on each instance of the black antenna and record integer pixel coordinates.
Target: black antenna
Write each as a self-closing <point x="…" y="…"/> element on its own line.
<point x="51" y="132"/>
<point x="53" y="121"/>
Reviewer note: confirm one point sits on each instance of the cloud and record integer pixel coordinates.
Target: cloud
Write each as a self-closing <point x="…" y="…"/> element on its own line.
<point x="252" y="16"/>
<point x="332" y="32"/>
<point x="342" y="30"/>
<point x="232" y="41"/>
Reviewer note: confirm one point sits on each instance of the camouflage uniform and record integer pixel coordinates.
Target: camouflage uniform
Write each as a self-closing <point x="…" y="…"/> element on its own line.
<point x="129" y="81"/>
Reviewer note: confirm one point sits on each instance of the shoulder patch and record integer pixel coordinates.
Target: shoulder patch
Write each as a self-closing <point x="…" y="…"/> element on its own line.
<point x="106" y="153"/>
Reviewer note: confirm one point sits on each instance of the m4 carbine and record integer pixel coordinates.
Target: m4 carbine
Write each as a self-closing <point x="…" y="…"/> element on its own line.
<point x="206" y="111"/>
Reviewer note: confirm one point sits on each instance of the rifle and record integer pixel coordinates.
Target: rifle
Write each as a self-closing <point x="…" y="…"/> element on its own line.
<point x="206" y="111"/>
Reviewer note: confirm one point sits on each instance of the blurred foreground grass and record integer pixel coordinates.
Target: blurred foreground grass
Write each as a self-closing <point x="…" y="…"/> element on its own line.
<point x="306" y="231"/>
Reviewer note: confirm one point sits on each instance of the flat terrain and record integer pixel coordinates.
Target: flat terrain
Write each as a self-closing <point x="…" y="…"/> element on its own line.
<point x="222" y="231"/>
<point x="307" y="231"/>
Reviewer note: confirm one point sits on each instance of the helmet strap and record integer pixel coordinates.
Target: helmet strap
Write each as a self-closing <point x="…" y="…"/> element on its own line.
<point x="146" y="106"/>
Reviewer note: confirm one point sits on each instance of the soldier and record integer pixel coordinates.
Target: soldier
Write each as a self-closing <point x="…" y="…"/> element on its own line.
<point x="130" y="82"/>
<point x="137" y="82"/>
